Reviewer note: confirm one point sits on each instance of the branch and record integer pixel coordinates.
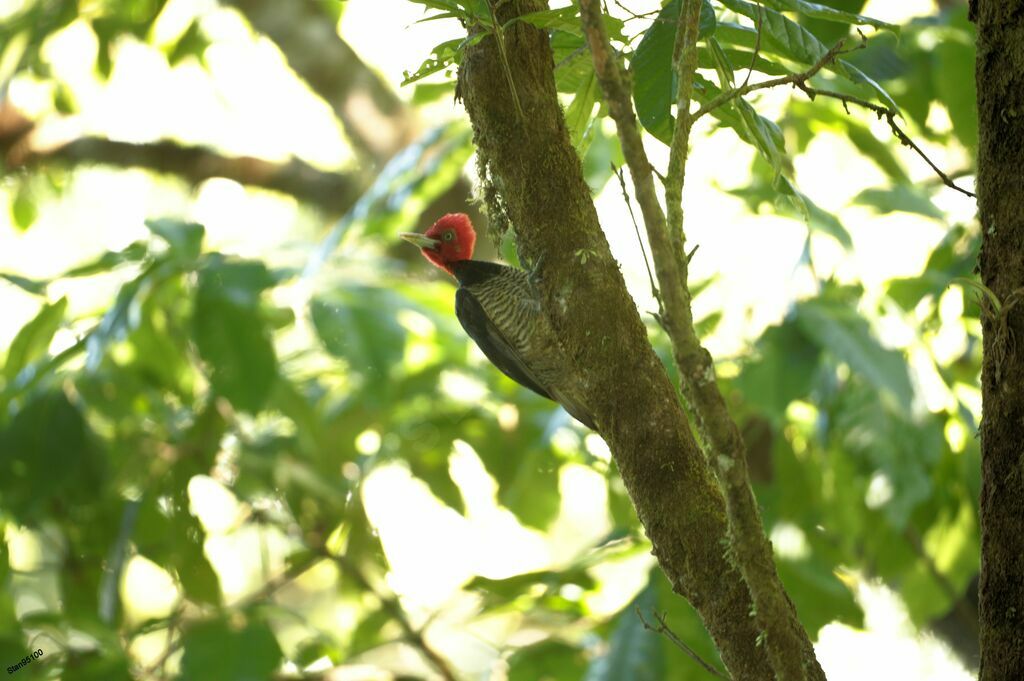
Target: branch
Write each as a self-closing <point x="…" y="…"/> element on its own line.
<point x="786" y="643"/>
<point x="633" y="402"/>
<point x="791" y="79"/>
<point x="333" y="192"/>
<point x="890" y="117"/>
<point x="799" y="80"/>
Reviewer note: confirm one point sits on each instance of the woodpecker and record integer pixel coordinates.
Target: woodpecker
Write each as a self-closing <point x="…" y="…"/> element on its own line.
<point x="498" y="308"/>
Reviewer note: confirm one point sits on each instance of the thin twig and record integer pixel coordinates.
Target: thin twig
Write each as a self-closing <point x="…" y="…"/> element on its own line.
<point x="636" y="228"/>
<point x="792" y="79"/>
<point x="499" y="37"/>
<point x="667" y="632"/>
<point x="757" y="43"/>
<point x="789" y="651"/>
<point x="890" y="117"/>
<point x="634" y="15"/>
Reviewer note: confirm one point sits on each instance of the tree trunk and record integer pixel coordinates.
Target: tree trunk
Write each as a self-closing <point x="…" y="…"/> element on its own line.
<point x="532" y="161"/>
<point x="1000" y="78"/>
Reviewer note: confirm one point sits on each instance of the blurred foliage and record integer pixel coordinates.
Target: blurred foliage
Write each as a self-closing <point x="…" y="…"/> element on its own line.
<point x="290" y="386"/>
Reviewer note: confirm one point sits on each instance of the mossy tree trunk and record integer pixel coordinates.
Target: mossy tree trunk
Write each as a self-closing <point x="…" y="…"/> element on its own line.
<point x="1000" y="78"/>
<point x="528" y="155"/>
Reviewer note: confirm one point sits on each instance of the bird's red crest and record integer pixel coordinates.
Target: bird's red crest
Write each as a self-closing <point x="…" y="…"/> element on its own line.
<point x="455" y="240"/>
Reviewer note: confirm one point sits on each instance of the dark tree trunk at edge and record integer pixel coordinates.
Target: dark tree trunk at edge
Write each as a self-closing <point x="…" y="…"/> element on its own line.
<point x="1000" y="78"/>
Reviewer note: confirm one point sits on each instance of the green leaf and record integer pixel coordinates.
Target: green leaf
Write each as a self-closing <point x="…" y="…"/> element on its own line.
<point x="797" y="43"/>
<point x="633" y="652"/>
<point x="879" y="152"/>
<point x="529" y="488"/>
<point x="442" y="56"/>
<point x="905" y="198"/>
<point x="858" y="77"/>
<point x="956" y="87"/>
<point x="577" y="116"/>
<point x="231" y="334"/>
<point x="184" y="238"/>
<point x="109" y="260"/>
<point x="837" y="328"/>
<point x="743" y="59"/>
<point x="816" y="11"/>
<point x="820" y="220"/>
<point x="216" y="651"/>
<point x="567" y="19"/>
<point x="954" y="257"/>
<point x="651" y="66"/>
<point x="572" y="61"/>
<point x="549" y="660"/>
<point x="511" y="588"/>
<point x="34" y="338"/>
<point x="790" y="38"/>
<point x="47" y="455"/>
<point x="879" y="436"/>
<point x="951" y="545"/>
<point x="783" y="371"/>
<point x="33" y="286"/>
<point x="23" y="208"/>
<point x="819" y="596"/>
<point x="192" y="43"/>
<point x="198" y="578"/>
<point x="359" y="325"/>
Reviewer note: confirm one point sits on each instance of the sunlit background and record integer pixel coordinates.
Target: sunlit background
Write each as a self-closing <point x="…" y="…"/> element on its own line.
<point x="449" y="564"/>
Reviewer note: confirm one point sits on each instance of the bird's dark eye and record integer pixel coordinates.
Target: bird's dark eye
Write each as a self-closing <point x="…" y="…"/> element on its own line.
<point x="448" y="236"/>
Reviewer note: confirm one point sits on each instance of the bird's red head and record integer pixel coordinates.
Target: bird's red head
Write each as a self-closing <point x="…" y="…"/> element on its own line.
<point x="448" y="240"/>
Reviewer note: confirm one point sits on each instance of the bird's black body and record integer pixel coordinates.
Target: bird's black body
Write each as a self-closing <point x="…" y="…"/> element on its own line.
<point x="497" y="307"/>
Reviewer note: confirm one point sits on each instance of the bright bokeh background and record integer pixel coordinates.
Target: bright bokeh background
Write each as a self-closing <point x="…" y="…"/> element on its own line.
<point x="243" y="99"/>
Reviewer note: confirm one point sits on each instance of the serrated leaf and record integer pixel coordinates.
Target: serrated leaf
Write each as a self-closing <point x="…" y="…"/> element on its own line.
<point x="789" y="37"/>
<point x="567" y="20"/>
<point x="796" y="42"/>
<point x="826" y="13"/>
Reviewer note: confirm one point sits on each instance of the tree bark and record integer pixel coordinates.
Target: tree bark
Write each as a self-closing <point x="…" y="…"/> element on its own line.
<point x="582" y="292"/>
<point x="1000" y="79"/>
